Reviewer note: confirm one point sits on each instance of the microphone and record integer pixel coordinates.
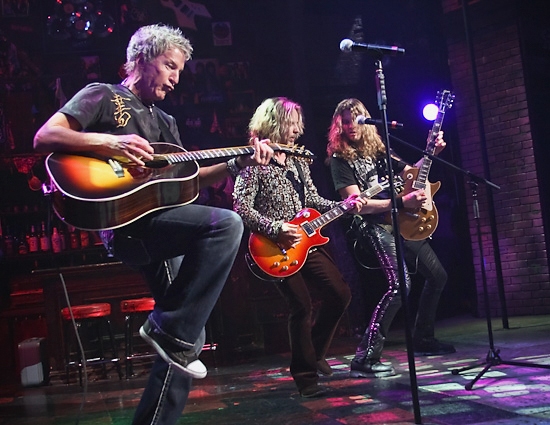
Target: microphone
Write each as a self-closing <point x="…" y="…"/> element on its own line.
<point x="347" y="45"/>
<point x="362" y="120"/>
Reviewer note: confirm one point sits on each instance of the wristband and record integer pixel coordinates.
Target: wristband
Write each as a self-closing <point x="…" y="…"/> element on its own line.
<point x="233" y="167"/>
<point x="399" y="203"/>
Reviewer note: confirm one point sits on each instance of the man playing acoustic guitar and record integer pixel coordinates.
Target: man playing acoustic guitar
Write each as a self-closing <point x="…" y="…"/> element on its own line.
<point x="185" y="252"/>
<point x="357" y="159"/>
<point x="268" y="198"/>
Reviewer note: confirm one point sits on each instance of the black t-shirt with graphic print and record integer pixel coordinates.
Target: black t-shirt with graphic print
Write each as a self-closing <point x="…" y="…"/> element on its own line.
<point x="114" y="109"/>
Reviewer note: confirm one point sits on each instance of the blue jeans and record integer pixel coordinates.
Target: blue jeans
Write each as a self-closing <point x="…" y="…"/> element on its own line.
<point x="185" y="254"/>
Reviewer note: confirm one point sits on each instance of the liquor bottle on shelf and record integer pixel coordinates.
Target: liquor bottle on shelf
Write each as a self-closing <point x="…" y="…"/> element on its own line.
<point x="22" y="247"/>
<point x="84" y="238"/>
<point x="33" y="241"/>
<point x="9" y="243"/>
<point x="56" y="241"/>
<point x="45" y="241"/>
<point x="62" y="238"/>
<point x="74" y="238"/>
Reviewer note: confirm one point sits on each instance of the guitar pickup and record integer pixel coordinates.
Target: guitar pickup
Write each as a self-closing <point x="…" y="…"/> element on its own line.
<point x="116" y="167"/>
<point x="308" y="229"/>
<point x="418" y="185"/>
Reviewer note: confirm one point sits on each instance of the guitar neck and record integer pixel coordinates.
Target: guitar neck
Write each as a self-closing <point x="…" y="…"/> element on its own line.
<point x="162" y="160"/>
<point x="424" y="170"/>
<point x="341" y="209"/>
<point x="174" y="158"/>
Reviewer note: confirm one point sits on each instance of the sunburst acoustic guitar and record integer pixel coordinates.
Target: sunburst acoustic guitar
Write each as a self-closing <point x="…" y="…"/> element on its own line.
<point x="280" y="263"/>
<point x="418" y="224"/>
<point x="96" y="193"/>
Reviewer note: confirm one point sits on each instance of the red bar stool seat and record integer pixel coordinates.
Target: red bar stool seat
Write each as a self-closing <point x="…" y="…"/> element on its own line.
<point x="131" y="309"/>
<point x="87" y="317"/>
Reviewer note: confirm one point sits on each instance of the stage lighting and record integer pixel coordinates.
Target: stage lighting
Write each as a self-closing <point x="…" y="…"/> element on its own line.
<point x="430" y="111"/>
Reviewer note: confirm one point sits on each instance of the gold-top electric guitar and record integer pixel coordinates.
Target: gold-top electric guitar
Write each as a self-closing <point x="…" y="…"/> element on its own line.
<point x="416" y="224"/>
<point x="94" y="193"/>
<point x="280" y="263"/>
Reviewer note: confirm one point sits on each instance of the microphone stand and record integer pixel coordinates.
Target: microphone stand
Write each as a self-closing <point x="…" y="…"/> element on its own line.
<point x="493" y="356"/>
<point x="382" y="103"/>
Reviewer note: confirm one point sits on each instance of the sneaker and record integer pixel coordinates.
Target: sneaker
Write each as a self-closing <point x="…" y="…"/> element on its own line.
<point x="324" y="368"/>
<point x="185" y="361"/>
<point x="432" y="347"/>
<point x="313" y="391"/>
<point x="370" y="369"/>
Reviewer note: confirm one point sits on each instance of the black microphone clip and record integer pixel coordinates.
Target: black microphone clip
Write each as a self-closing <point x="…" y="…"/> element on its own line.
<point x="362" y="120"/>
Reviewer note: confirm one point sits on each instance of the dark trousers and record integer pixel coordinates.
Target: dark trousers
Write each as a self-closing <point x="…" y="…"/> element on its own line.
<point x="310" y="336"/>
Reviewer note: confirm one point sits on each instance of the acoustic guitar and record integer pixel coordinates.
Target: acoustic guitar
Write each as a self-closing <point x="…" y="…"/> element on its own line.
<point x="420" y="223"/>
<point x="280" y="263"/>
<point x="95" y="193"/>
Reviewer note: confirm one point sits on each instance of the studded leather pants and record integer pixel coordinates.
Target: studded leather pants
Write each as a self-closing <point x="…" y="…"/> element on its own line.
<point x="383" y="244"/>
<point x="419" y="256"/>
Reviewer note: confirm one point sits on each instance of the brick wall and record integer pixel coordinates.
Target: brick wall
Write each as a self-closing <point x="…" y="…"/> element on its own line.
<point x="510" y="158"/>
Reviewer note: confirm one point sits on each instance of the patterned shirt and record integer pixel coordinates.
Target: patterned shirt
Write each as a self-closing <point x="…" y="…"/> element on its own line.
<point x="270" y="195"/>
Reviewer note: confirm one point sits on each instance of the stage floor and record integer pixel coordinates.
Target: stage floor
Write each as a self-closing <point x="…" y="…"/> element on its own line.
<point x="260" y="390"/>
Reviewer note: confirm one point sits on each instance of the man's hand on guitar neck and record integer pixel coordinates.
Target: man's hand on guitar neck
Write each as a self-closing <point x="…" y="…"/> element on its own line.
<point x="261" y="156"/>
<point x="438" y="146"/>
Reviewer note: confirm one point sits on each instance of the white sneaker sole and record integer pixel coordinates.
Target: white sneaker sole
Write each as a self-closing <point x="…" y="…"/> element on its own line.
<point x="196" y="369"/>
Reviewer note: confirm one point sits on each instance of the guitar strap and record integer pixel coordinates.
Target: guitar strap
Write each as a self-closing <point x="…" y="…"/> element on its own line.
<point x="301" y="188"/>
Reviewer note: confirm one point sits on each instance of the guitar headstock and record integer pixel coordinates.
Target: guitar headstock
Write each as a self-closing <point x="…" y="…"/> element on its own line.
<point x="296" y="150"/>
<point x="444" y="99"/>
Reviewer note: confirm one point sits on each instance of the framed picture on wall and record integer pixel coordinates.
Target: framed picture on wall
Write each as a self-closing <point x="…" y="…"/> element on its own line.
<point x="15" y="8"/>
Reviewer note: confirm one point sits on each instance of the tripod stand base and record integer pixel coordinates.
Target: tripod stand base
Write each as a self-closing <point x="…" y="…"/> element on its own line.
<point x="493" y="359"/>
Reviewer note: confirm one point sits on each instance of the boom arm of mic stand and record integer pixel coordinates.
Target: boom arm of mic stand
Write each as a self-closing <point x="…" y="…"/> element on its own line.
<point x="467" y="173"/>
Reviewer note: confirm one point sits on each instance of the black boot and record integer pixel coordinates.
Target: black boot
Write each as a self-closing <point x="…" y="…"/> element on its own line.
<point x="366" y="363"/>
<point x="371" y="368"/>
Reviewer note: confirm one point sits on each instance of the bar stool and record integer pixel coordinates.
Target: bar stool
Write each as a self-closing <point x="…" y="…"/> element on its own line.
<point x="132" y="308"/>
<point x="90" y="316"/>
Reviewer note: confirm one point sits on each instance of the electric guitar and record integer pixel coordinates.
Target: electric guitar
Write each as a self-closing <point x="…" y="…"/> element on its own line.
<point x="97" y="193"/>
<point x="280" y="263"/>
<point x="416" y="224"/>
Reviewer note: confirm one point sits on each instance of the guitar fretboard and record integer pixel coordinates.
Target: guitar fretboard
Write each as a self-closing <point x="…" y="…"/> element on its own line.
<point x="174" y="158"/>
<point x="340" y="209"/>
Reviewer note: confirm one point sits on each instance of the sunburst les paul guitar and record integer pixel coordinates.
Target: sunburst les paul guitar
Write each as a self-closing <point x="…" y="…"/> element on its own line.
<point x="280" y="263"/>
<point x="96" y="193"/>
<point x="420" y="223"/>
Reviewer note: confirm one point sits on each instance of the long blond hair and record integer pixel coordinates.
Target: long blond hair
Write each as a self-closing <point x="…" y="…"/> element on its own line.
<point x="272" y="118"/>
<point x="370" y="143"/>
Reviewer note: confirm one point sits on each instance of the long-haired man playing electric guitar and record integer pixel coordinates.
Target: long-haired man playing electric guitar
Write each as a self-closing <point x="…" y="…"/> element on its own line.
<point x="357" y="159"/>
<point x="268" y="198"/>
